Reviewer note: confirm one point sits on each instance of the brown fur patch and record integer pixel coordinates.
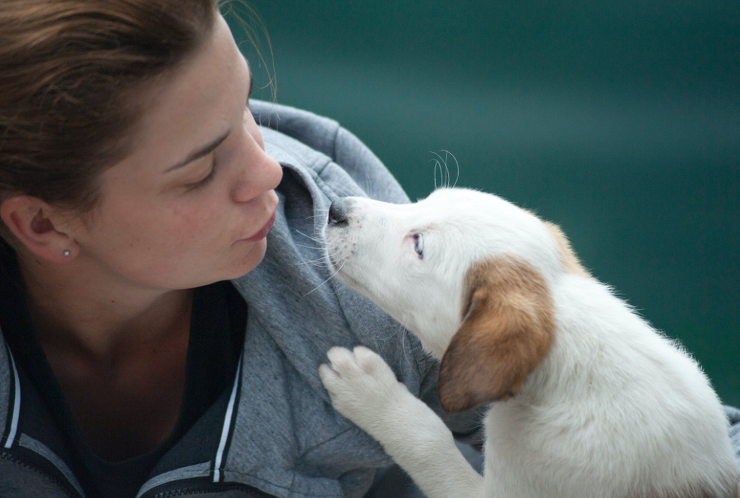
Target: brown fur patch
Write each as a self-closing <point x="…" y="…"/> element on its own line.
<point x="507" y="330"/>
<point x="571" y="264"/>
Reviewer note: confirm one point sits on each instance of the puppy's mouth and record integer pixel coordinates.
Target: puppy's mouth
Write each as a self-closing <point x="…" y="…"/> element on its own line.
<point x="335" y="251"/>
<point x="334" y="265"/>
<point x="335" y="260"/>
<point x="339" y="272"/>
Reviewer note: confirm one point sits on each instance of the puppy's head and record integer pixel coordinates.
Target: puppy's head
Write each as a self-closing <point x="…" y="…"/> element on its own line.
<point x="469" y="273"/>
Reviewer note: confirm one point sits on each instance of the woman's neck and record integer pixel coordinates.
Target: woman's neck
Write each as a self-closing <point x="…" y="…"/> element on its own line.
<point x="82" y="311"/>
<point x="119" y="353"/>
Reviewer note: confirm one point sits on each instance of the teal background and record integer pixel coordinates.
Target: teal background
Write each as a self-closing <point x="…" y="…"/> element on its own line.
<point x="618" y="121"/>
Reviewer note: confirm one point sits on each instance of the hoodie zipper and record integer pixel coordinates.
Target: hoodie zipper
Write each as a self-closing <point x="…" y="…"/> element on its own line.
<point x="210" y="488"/>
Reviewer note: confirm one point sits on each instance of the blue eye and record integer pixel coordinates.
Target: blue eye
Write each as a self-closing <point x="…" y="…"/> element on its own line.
<point x="419" y="245"/>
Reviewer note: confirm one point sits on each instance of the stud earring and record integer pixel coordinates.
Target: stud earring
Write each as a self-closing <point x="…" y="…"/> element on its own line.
<point x="66" y="253"/>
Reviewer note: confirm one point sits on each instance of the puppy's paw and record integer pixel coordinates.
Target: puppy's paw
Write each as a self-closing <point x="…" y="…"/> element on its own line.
<point x="360" y="383"/>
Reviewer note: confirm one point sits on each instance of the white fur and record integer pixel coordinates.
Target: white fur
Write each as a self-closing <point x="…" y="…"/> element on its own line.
<point x="616" y="410"/>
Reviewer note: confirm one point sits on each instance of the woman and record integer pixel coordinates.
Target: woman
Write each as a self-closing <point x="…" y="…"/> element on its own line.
<point x="145" y="352"/>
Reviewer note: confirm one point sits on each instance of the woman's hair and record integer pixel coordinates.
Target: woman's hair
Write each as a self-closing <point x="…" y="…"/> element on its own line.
<point x="72" y="77"/>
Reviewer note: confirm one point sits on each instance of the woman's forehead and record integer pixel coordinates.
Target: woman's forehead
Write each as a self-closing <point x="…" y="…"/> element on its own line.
<point x="194" y="104"/>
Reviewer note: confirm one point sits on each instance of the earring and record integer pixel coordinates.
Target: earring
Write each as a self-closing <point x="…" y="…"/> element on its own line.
<point x="66" y="253"/>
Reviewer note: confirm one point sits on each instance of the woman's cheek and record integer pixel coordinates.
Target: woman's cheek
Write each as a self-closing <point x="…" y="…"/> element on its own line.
<point x="184" y="225"/>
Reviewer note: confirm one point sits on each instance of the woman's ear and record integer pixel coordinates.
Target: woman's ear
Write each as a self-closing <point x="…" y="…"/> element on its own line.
<point x="36" y="225"/>
<point x="507" y="330"/>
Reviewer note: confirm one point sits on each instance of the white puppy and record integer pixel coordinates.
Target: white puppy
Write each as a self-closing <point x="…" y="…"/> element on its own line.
<point x="586" y="398"/>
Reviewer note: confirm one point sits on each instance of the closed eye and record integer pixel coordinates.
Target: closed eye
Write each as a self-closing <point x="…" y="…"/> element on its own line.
<point x="207" y="179"/>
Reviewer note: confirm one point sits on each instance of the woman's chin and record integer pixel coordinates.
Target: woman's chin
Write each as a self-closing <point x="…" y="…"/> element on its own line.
<point x="249" y="261"/>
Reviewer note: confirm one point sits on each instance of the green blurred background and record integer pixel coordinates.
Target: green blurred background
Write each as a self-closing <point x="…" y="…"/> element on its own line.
<point x="618" y="121"/>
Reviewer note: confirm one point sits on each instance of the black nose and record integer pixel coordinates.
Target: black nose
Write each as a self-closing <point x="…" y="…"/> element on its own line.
<point x="338" y="213"/>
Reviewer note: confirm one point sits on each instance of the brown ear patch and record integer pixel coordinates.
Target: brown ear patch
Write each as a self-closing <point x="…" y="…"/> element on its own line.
<point x="507" y="330"/>
<point x="571" y="264"/>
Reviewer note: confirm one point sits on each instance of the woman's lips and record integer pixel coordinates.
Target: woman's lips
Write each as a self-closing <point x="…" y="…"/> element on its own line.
<point x="262" y="232"/>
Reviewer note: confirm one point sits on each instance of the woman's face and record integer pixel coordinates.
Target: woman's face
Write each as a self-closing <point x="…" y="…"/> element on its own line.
<point x="192" y="204"/>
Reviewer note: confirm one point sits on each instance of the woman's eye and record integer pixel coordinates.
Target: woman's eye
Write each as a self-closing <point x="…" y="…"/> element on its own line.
<point x="419" y="245"/>
<point x="204" y="181"/>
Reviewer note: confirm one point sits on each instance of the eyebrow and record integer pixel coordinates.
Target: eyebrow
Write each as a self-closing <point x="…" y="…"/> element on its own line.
<point x="200" y="152"/>
<point x="208" y="148"/>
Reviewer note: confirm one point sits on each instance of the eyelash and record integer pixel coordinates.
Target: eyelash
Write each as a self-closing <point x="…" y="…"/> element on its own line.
<point x="207" y="179"/>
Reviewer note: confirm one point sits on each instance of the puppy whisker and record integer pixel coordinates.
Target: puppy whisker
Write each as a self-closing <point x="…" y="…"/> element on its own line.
<point x="325" y="281"/>
<point x="320" y="213"/>
<point x="307" y="247"/>
<point x="445" y="176"/>
<point x="434" y="173"/>
<point x="315" y="239"/>
<point x="318" y="263"/>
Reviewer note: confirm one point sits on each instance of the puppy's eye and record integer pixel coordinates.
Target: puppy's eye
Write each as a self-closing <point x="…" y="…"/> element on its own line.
<point x="419" y="245"/>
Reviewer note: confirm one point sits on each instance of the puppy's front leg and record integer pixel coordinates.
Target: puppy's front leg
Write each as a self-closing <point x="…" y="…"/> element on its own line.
<point x="364" y="389"/>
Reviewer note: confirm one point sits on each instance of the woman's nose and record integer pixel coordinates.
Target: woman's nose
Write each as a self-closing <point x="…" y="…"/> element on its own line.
<point x="257" y="172"/>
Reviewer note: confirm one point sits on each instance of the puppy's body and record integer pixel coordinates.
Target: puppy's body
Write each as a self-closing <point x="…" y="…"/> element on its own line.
<point x="615" y="407"/>
<point x="589" y="399"/>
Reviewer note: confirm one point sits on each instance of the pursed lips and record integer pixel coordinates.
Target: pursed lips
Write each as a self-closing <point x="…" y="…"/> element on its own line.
<point x="262" y="233"/>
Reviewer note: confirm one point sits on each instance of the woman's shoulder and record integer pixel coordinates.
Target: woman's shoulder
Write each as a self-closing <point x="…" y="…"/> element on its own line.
<point x="318" y="133"/>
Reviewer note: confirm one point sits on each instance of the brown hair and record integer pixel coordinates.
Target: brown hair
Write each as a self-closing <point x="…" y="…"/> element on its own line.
<point x="70" y="75"/>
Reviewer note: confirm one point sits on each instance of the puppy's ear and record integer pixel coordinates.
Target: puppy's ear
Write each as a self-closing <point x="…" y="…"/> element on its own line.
<point x="507" y="330"/>
<point x="568" y="257"/>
